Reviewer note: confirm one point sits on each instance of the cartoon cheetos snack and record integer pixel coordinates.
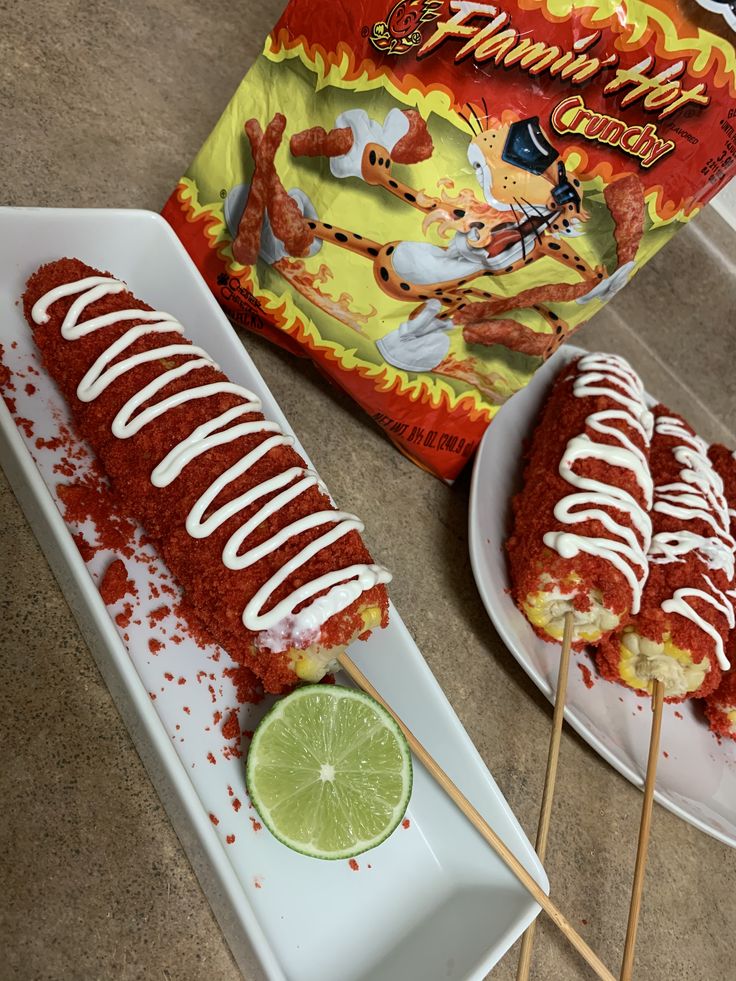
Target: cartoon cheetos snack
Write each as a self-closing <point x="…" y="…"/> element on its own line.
<point x="428" y="197"/>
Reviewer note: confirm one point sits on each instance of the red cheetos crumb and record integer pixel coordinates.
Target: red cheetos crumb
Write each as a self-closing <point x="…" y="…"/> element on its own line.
<point x="115" y="583"/>
<point x="154" y="645"/>
<point x="256" y="824"/>
<point x="666" y="754"/>
<point x="236" y="805"/>
<point x="406" y="823"/>
<point x="160" y="613"/>
<point x="83" y="546"/>
<point x="216" y="715"/>
<point x="49" y="444"/>
<point x="186" y="709"/>
<point x="123" y="618"/>
<point x="168" y="675"/>
<point x="678" y="715"/>
<point x="211" y="758"/>
<point x="230" y="839"/>
<point x="354" y="865"/>
<point x="214" y="820"/>
<point x="26" y="425"/>
<point x="231" y="729"/>
<point x="30" y="389"/>
<point x="257" y="882"/>
<point x="152" y="695"/>
<point x="230" y="791"/>
<point x="5" y="381"/>
<point x="587" y="676"/>
<point x="90" y="499"/>
<point x="181" y="681"/>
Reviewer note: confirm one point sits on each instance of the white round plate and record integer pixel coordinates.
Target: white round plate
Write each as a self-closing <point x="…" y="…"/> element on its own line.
<point x="696" y="776"/>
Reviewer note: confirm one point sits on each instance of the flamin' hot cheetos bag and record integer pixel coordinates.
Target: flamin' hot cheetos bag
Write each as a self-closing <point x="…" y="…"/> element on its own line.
<point x="427" y="197"/>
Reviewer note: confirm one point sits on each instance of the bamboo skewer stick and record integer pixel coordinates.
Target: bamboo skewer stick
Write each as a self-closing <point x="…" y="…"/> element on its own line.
<point x="646" y="821"/>
<point x="502" y="850"/>
<point x="550" y="777"/>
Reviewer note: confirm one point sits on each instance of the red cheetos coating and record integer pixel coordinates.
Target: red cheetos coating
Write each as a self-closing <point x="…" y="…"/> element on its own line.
<point x="723" y="699"/>
<point x="686" y="571"/>
<point x="218" y="594"/>
<point x="534" y="566"/>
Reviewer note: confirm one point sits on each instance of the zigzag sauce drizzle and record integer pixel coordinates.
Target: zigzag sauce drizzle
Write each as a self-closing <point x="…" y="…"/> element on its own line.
<point x="280" y="627"/>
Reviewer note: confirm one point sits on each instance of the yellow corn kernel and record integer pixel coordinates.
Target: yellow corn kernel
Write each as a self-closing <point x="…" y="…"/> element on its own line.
<point x="371" y="617"/>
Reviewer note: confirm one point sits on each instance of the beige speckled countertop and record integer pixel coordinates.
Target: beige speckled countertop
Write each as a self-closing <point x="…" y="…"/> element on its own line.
<point x="104" y="104"/>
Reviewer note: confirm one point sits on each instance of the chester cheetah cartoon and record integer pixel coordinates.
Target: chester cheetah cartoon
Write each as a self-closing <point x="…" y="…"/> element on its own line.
<point x="531" y="208"/>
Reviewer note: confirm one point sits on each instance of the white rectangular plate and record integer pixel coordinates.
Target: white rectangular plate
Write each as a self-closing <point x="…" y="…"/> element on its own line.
<point x="696" y="776"/>
<point x="432" y="901"/>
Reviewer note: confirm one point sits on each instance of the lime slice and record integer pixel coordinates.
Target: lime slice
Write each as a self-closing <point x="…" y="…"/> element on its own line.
<point x="329" y="771"/>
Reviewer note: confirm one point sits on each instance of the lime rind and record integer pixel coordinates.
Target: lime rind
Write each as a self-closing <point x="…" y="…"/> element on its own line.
<point x="353" y="809"/>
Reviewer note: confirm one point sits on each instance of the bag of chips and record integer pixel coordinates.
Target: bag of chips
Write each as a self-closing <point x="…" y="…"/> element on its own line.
<point x="427" y="197"/>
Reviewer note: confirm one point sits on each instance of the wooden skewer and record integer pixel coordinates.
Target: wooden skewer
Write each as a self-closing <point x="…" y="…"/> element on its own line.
<point x="545" y="813"/>
<point x="503" y="852"/>
<point x="646" y="821"/>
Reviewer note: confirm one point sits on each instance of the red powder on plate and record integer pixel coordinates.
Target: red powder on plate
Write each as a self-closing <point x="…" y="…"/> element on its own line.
<point x="115" y="583"/>
<point x="49" y="444"/>
<point x="30" y="389"/>
<point x="406" y="823"/>
<point x="123" y="618"/>
<point x="256" y="824"/>
<point x="154" y="645"/>
<point x="214" y="820"/>
<point x="211" y="759"/>
<point x="83" y="546"/>
<point x="587" y="676"/>
<point x="236" y="805"/>
<point x="89" y="498"/>
<point x="159" y="614"/>
<point x="354" y="865"/>
<point x="231" y="729"/>
<point x="168" y="675"/>
<point x="230" y="839"/>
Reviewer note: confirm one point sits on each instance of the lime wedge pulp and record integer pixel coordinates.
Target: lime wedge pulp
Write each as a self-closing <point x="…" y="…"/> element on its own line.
<point x="329" y="771"/>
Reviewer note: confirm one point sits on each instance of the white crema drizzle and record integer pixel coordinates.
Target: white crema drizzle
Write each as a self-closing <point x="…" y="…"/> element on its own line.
<point x="626" y="550"/>
<point x="279" y="627"/>
<point x="697" y="496"/>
